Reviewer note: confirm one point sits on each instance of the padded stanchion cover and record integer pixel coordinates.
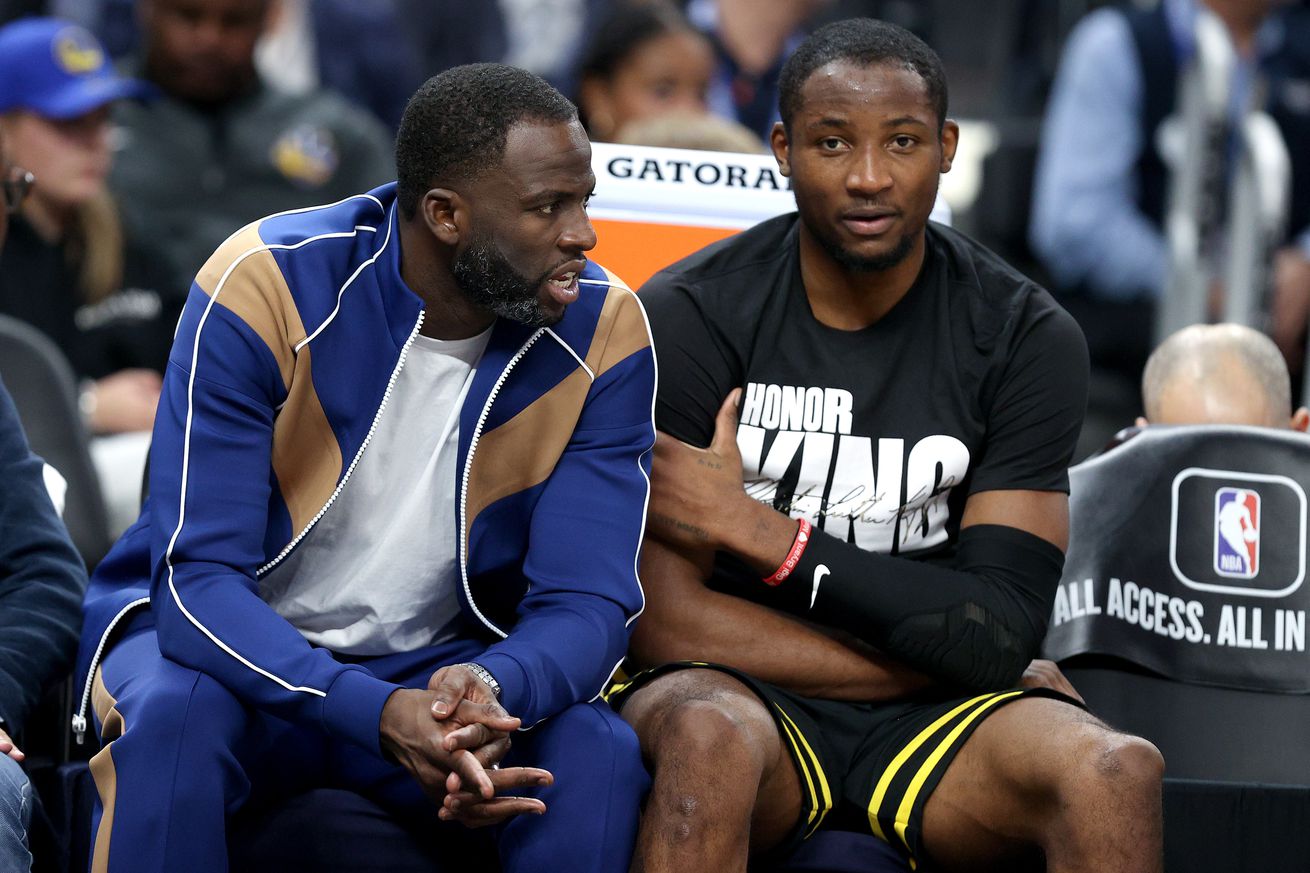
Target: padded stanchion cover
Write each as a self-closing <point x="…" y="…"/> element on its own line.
<point x="1187" y="556"/>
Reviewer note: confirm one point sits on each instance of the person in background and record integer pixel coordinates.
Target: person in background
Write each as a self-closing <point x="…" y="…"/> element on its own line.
<point x="357" y="48"/>
<point x="41" y="583"/>
<point x="751" y="42"/>
<point x="644" y="61"/>
<point x="66" y="270"/>
<point x="1100" y="191"/>
<point x="217" y="148"/>
<point x="1219" y="374"/>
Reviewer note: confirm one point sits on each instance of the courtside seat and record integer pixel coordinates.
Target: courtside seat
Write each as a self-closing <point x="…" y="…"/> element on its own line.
<point x="44" y="389"/>
<point x="1182" y="610"/>
<point x="1181" y="618"/>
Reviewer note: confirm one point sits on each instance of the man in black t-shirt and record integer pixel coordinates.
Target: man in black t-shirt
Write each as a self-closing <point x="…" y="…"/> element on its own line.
<point x="847" y="587"/>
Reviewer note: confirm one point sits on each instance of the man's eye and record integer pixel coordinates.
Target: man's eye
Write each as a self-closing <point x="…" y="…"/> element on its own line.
<point x="547" y="209"/>
<point x="830" y="144"/>
<point x="903" y="142"/>
<point x="586" y="201"/>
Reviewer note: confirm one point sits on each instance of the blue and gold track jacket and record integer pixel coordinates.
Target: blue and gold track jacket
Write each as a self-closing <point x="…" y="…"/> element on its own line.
<point x="293" y="334"/>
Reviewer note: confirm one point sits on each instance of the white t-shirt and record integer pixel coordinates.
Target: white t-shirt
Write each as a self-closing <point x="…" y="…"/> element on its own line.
<point x="379" y="573"/>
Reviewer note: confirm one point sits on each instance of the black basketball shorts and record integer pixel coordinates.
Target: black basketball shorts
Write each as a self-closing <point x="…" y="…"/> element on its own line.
<point x="868" y="767"/>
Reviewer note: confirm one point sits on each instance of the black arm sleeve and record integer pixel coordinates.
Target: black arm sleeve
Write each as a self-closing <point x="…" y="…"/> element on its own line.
<point x="976" y="624"/>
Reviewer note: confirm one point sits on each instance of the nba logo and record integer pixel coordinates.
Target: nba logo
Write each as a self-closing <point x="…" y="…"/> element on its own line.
<point x="1237" y="533"/>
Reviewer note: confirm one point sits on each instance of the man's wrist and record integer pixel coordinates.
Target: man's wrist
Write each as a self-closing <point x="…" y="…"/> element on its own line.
<point x="793" y="558"/>
<point x="759" y="535"/>
<point x="484" y="674"/>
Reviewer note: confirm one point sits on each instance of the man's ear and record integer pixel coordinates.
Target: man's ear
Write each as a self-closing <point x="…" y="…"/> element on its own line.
<point x="1301" y="419"/>
<point x="950" y="140"/>
<point x="781" y="147"/>
<point x="1140" y="422"/>
<point x="445" y="213"/>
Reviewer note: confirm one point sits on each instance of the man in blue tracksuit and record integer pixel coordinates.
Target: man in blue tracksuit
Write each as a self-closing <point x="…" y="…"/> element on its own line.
<point x="397" y="488"/>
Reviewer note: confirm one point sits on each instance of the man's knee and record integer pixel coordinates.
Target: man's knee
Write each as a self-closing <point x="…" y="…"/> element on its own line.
<point x="594" y="732"/>
<point x="1119" y="763"/>
<point x="706" y="717"/>
<point x="1086" y="764"/>
<point x="15" y="798"/>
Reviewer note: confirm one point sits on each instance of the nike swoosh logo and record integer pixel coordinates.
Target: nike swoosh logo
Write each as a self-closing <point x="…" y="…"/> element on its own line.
<point x="819" y="572"/>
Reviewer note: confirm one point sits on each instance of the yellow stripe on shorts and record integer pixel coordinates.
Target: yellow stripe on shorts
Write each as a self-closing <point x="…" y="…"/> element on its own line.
<point x="880" y="792"/>
<point x="916" y="785"/>
<point x="804" y="770"/>
<point x="820" y="806"/>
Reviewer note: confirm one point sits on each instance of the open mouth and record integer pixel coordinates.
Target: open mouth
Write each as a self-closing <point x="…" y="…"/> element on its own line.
<point x="563" y="285"/>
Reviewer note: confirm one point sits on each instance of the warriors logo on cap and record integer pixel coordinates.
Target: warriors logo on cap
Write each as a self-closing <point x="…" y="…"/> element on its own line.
<point x="76" y="51"/>
<point x="307" y="155"/>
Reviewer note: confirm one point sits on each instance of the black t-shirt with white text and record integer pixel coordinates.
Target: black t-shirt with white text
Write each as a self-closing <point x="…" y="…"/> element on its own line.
<point x="975" y="381"/>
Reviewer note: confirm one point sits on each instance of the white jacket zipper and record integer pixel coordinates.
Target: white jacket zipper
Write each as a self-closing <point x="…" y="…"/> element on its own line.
<point x="79" y="720"/>
<point x="464" y="481"/>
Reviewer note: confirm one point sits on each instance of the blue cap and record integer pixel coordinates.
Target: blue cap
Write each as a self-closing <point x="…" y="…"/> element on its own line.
<point x="57" y="70"/>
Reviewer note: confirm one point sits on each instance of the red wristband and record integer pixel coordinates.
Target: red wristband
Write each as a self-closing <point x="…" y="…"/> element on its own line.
<point x="794" y="556"/>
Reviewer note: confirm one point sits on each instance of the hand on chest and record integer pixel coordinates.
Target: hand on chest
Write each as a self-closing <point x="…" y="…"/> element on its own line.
<point x="817" y="453"/>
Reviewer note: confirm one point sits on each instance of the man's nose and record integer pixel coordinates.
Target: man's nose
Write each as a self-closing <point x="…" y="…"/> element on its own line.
<point x="579" y="236"/>
<point x="869" y="173"/>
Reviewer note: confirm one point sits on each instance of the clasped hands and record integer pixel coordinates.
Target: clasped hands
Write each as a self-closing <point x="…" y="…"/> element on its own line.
<point x="451" y="739"/>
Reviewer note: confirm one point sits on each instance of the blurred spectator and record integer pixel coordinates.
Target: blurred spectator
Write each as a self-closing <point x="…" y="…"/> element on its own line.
<point x="543" y="36"/>
<point x="65" y="270"/>
<point x="644" y="60"/>
<point x="219" y="148"/>
<point x="752" y="40"/>
<point x="681" y="130"/>
<point x="1219" y="374"/>
<point x="41" y="583"/>
<point x="357" y="48"/>
<point x="1101" y="183"/>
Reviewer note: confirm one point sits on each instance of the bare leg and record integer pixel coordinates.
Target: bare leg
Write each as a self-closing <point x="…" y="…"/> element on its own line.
<point x="1041" y="777"/>
<point x="724" y="786"/>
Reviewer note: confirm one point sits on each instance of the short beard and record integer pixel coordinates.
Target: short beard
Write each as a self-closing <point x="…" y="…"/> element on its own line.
<point x="867" y="264"/>
<point x="488" y="279"/>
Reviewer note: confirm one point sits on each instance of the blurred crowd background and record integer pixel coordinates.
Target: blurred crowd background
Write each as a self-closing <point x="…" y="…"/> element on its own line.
<point x="207" y="114"/>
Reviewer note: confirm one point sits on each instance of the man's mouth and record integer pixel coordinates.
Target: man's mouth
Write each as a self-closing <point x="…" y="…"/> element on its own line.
<point x="563" y="285"/>
<point x="868" y="222"/>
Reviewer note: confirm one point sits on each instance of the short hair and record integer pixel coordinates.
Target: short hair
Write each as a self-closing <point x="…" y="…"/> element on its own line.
<point x="1203" y="353"/>
<point x="456" y="124"/>
<point x="867" y="42"/>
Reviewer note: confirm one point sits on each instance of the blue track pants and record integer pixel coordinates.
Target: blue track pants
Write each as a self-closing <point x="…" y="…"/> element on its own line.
<point x="181" y="755"/>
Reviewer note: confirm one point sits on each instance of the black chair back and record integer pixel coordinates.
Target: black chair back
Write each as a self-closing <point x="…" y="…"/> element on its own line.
<point x="1181" y="614"/>
<point x="44" y="389"/>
